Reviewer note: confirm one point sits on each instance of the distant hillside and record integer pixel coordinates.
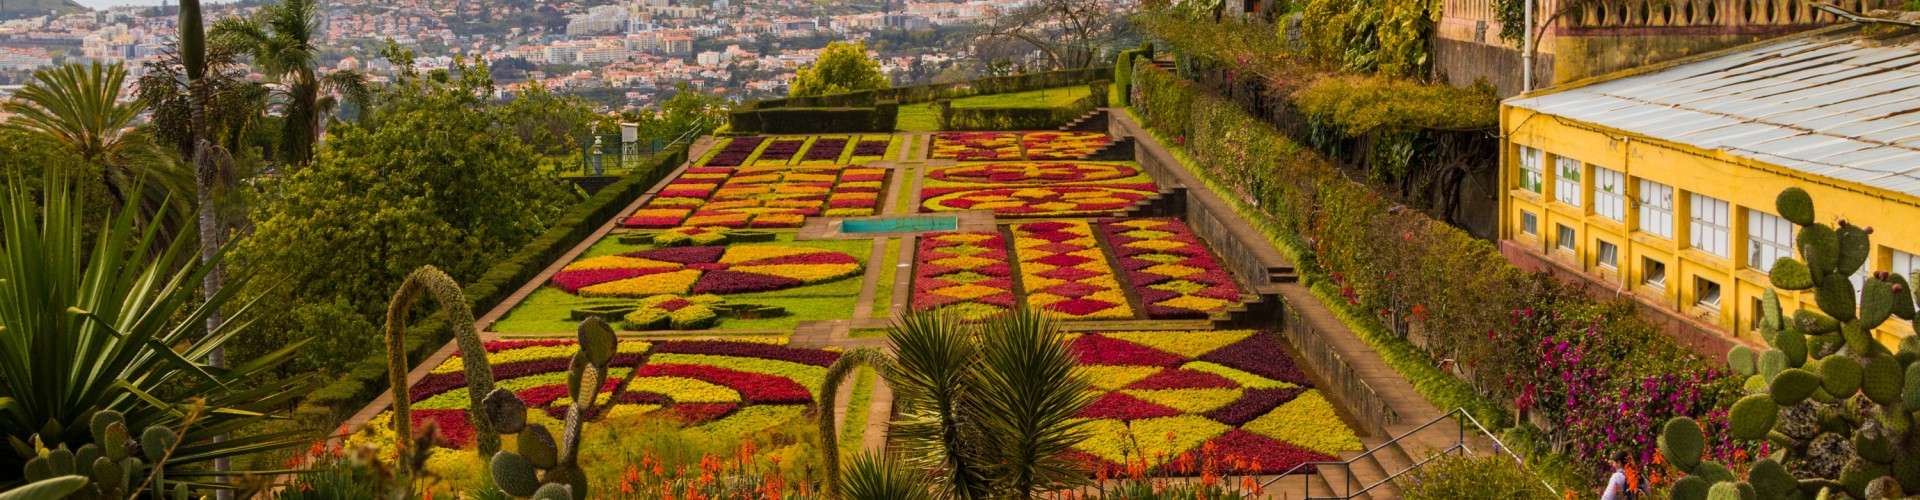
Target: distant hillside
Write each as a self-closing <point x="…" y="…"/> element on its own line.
<point x="12" y="9"/>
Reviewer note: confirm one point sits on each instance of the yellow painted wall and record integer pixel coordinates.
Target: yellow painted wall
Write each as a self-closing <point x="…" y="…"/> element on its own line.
<point x="1744" y="184"/>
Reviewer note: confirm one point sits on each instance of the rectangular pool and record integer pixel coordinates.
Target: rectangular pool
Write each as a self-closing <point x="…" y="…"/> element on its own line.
<point x="900" y="225"/>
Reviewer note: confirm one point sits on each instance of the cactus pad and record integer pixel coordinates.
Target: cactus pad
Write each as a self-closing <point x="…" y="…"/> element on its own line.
<point x="1740" y="360"/>
<point x="98" y="424"/>
<point x="1795" y="205"/>
<point x="1681" y="443"/>
<point x="1690" y="488"/>
<point x="1772" y="361"/>
<point x="553" y="492"/>
<point x="1858" y="472"/>
<point x="597" y="341"/>
<point x="1753" y="416"/>
<point x="1789" y="274"/>
<point x="1902" y="297"/>
<point x="1723" y="491"/>
<point x="1819" y="250"/>
<point x="1855" y="246"/>
<point x="1840" y="376"/>
<point x="506" y="410"/>
<point x="537" y="446"/>
<point x="156" y="442"/>
<point x="513" y="474"/>
<point x="1910" y="390"/>
<point x="1876" y="303"/>
<point x="1815" y="323"/>
<point x="1859" y="341"/>
<point x="1834" y="295"/>
<point x="1771" y="478"/>
<point x="1793" y="344"/>
<point x="1793" y="386"/>
<point x="115" y="442"/>
<point x="1881" y="379"/>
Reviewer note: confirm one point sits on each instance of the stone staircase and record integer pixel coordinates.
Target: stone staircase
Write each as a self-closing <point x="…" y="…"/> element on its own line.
<point x="1093" y="121"/>
<point x="1384" y="458"/>
<point x="1121" y="149"/>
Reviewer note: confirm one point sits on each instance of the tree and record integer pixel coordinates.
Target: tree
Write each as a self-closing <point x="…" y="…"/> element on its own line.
<point x="841" y="68"/>
<point x="113" y="322"/>
<point x="1068" y="33"/>
<point x="79" y="107"/>
<point x="280" y="40"/>
<point x="435" y="178"/>
<point x="986" y="409"/>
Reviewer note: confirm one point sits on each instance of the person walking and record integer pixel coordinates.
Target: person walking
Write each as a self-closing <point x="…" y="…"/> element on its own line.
<point x="1618" y="487"/>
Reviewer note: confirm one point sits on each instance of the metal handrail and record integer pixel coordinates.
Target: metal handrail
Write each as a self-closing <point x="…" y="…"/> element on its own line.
<point x="1460" y="444"/>
<point x="694" y="131"/>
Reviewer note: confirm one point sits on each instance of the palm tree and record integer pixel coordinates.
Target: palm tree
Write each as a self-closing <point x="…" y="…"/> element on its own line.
<point x="206" y="170"/>
<point x="987" y="409"/>
<point x="79" y="106"/>
<point x="280" y="40"/>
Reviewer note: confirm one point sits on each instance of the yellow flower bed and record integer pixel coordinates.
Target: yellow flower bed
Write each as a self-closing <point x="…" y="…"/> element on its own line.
<point x="1303" y="422"/>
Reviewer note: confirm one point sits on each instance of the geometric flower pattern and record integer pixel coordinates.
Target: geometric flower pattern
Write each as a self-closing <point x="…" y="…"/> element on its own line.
<point x="761" y="197"/>
<point x="965" y="273"/>
<point x="1063" y="269"/>
<point x="1036" y="201"/>
<point x="811" y="150"/>
<point x="1062" y="145"/>
<point x="1034" y="172"/>
<point x="702" y="270"/>
<point x="1172" y="273"/>
<point x="1186" y="404"/>
<point x="976" y="146"/>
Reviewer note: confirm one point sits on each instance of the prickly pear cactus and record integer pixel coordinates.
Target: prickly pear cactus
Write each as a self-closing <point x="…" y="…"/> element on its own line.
<point x="543" y="468"/>
<point x="1838" y="408"/>
<point x="114" y="464"/>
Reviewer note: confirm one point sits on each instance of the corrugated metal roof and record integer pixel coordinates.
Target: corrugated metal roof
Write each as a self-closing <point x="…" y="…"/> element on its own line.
<point x="1841" y="107"/>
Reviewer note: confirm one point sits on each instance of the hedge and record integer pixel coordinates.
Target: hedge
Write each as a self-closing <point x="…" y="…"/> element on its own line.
<point x="367" y="378"/>
<point x="1123" y="69"/>
<point x="1520" y="338"/>
<point x="935" y="91"/>
<point x="1022" y="118"/>
<point x="794" y="120"/>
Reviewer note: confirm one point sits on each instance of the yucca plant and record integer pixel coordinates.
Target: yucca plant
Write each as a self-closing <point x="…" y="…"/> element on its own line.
<point x="874" y="476"/>
<point x="116" y="324"/>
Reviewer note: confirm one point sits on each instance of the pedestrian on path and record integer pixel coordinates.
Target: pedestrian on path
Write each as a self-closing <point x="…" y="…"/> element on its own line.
<point x="1618" y="487"/>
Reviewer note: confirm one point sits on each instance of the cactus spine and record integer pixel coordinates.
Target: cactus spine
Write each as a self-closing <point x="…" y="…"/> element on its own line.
<point x="1839" y="407"/>
<point x="542" y="468"/>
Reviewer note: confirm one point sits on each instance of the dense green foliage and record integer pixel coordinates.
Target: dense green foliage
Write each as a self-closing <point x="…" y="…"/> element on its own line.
<point x="78" y="107"/>
<point x="114" y="321"/>
<point x="436" y="178"/>
<point x="1360" y="105"/>
<point x="841" y="68"/>
<point x="1494" y="323"/>
<point x="1019" y="117"/>
<point x="1492" y="477"/>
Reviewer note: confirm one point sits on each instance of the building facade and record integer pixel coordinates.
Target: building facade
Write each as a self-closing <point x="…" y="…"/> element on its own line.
<point x="1660" y="184"/>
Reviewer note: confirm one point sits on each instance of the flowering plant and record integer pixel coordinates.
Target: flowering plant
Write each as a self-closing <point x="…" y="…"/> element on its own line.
<point x="963" y="272"/>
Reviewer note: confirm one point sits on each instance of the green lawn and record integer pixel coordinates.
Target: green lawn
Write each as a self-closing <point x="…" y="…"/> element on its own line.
<point x="546" y="310"/>
<point x="923" y="117"/>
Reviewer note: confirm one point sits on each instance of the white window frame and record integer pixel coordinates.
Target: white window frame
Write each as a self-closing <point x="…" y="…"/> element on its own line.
<point x="1769" y="237"/>
<point x="1705" y="299"/>
<point x="1709" y="225"/>
<point x="1531" y="176"/>
<point x="1567" y="185"/>
<point x="1566" y="238"/>
<point x="1656" y="281"/>
<point x="1529" y="224"/>
<point x="1610" y="194"/>
<point x="1656" y="209"/>
<point x="1904" y="264"/>
<point x="1607" y="255"/>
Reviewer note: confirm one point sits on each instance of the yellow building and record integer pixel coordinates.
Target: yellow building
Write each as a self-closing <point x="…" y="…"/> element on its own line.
<point x="1659" y="183"/>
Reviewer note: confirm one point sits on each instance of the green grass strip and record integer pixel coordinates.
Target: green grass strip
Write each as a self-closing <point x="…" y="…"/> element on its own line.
<point x="883" y="291"/>
<point x="854" y="430"/>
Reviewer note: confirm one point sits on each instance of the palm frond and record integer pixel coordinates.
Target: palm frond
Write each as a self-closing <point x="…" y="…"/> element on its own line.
<point x="1029" y="392"/>
<point x="872" y="476"/>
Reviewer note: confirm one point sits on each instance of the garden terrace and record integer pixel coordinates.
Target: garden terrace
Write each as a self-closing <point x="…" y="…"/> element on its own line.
<point x="728" y="313"/>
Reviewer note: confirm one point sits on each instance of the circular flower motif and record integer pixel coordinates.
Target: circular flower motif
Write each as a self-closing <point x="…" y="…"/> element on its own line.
<point x="702" y="270"/>
<point x="1039" y="201"/>
<point x="1034" y="172"/>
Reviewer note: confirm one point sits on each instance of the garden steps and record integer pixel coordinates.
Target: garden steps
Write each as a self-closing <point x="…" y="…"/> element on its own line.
<point x="1093" y="121"/>
<point x="1121" y="149"/>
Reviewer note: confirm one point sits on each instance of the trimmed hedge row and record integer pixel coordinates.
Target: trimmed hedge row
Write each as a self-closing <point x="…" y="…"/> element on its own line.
<point x="936" y="91"/>
<point x="1590" y="372"/>
<point x="367" y="378"/>
<point x="1022" y="118"/>
<point x="1123" y="70"/>
<point x="795" y="120"/>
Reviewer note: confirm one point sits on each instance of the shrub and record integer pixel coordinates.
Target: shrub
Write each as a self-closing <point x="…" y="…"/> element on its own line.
<point x="1463" y="476"/>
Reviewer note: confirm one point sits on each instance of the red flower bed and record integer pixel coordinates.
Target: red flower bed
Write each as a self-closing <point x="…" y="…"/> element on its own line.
<point x="700" y="412"/>
<point x="968" y="270"/>
<point x="1036" y="201"/>
<point x="755" y="388"/>
<point x="1100" y="350"/>
<point x="1004" y="173"/>
<point x="1259" y="354"/>
<point x="633" y="397"/>
<point x="870" y="148"/>
<point x="453" y="427"/>
<point x="748" y="350"/>
<point x="572" y="281"/>
<point x="1174" y="378"/>
<point x="825" y="150"/>
<point x="735" y="152"/>
<point x="781" y="150"/>
<point x="1120" y="406"/>
<point x="1174" y="282"/>
<point x="1253" y="404"/>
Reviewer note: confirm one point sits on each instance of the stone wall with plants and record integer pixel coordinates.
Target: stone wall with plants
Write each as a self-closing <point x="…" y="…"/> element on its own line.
<point x="1592" y="375"/>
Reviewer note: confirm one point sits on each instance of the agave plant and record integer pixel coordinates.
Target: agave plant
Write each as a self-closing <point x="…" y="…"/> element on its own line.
<point x="115" y="324"/>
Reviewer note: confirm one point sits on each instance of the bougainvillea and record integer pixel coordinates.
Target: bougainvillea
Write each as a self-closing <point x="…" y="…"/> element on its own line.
<point x="1187" y="409"/>
<point x="1168" y="269"/>
<point x="976" y="146"/>
<point x="966" y="273"/>
<point x="1063" y="269"/>
<point x="1062" y="145"/>
<point x="703" y="270"/>
<point x="762" y="197"/>
<point x="1036" y="201"/>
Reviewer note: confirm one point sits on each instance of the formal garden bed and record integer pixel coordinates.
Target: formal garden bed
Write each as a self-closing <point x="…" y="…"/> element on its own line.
<point x="770" y="285"/>
<point x="1169" y="401"/>
<point x="767" y="151"/>
<point x="997" y="146"/>
<point x="1014" y="189"/>
<point x="761" y="197"/>
<point x="676" y="404"/>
